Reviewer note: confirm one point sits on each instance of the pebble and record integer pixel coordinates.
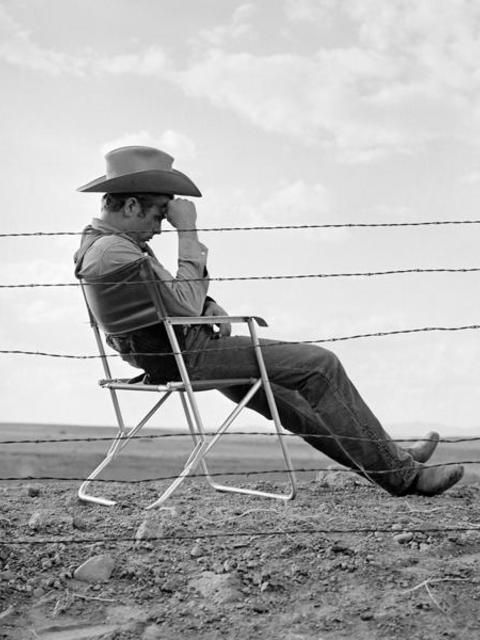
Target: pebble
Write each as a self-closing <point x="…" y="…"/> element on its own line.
<point x="339" y="479"/>
<point x="196" y="551"/>
<point x="172" y="512"/>
<point x="403" y="538"/>
<point x="229" y="565"/>
<point x="216" y="588"/>
<point x="6" y="575"/>
<point x="43" y="518"/>
<point x="9" y="611"/>
<point x="33" y="490"/>
<point x="153" y="632"/>
<point x="366" y="615"/>
<point x="95" y="569"/>
<point x="79" y="523"/>
<point x="339" y="547"/>
<point x="147" y="529"/>
<point x="121" y="614"/>
<point x="153" y="525"/>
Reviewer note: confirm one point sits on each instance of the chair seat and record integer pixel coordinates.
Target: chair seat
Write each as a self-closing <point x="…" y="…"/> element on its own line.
<point x="125" y="384"/>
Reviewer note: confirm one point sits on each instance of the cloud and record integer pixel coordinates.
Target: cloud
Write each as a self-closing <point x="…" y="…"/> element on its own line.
<point x="17" y="47"/>
<point x="308" y="10"/>
<point x="175" y="143"/>
<point x="291" y="203"/>
<point x="433" y="40"/>
<point x="408" y="75"/>
<point x="294" y="203"/>
<point x="239" y="26"/>
<point x="153" y="61"/>
<point x="315" y="99"/>
<point x="471" y="178"/>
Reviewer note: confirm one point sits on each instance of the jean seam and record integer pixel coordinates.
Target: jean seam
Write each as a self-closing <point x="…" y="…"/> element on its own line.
<point x="378" y="443"/>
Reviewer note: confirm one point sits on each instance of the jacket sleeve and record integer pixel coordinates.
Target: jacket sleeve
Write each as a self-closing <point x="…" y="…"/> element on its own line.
<point x="184" y="294"/>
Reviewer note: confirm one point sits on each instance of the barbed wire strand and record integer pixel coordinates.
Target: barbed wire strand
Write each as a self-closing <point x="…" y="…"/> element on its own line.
<point x="376" y="334"/>
<point x="232" y="534"/>
<point x="343" y="225"/>
<point x="238" y="472"/>
<point x="300" y="276"/>
<point x="156" y="436"/>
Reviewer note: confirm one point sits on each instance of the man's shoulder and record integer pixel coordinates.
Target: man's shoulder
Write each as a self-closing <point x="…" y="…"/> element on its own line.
<point x="107" y="253"/>
<point x="113" y="242"/>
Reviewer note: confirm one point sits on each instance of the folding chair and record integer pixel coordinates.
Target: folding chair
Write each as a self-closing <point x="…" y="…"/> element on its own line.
<point x="129" y="299"/>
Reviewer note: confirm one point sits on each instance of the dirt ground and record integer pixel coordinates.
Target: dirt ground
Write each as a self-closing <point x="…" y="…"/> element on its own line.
<point x="211" y="577"/>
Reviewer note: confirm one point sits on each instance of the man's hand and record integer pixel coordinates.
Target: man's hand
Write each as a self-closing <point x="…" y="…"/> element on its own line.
<point x="182" y="214"/>
<point x="214" y="309"/>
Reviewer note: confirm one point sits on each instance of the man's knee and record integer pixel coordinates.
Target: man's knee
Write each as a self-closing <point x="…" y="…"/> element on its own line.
<point x="328" y="362"/>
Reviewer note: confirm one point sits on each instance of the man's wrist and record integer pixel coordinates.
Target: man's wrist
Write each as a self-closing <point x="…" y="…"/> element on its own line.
<point x="188" y="234"/>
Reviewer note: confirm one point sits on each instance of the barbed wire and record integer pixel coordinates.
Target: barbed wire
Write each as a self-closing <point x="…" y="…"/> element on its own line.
<point x="300" y="276"/>
<point x="156" y="436"/>
<point x="376" y="334"/>
<point x="238" y="472"/>
<point x="232" y="534"/>
<point x="289" y="227"/>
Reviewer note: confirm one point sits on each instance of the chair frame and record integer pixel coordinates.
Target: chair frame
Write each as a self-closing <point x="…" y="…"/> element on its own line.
<point x="203" y="442"/>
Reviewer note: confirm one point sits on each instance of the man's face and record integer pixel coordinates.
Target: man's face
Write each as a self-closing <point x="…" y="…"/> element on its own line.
<point x="148" y="221"/>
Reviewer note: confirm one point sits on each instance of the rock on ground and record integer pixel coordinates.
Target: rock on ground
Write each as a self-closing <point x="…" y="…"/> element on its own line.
<point x="155" y="524"/>
<point x="44" y="518"/>
<point x="218" y="588"/>
<point x="95" y="569"/>
<point x="331" y="478"/>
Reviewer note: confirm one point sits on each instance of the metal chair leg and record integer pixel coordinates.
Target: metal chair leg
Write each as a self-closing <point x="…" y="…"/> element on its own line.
<point x="199" y="434"/>
<point x="119" y="443"/>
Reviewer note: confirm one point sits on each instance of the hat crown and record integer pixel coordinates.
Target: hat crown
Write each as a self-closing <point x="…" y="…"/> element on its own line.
<point x="128" y="160"/>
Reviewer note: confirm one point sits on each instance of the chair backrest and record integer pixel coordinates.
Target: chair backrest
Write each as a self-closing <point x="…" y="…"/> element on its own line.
<point x="123" y="300"/>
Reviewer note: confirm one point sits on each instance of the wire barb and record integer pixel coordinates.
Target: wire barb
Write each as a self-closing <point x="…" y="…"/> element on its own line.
<point x="174" y="537"/>
<point x="377" y="334"/>
<point x="251" y="472"/>
<point x="289" y="227"/>
<point x="299" y="276"/>
<point x="156" y="436"/>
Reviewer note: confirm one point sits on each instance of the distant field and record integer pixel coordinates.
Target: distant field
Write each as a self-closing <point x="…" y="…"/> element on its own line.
<point x="146" y="458"/>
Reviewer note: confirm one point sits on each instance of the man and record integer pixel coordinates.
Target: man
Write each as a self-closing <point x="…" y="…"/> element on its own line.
<point x="314" y="395"/>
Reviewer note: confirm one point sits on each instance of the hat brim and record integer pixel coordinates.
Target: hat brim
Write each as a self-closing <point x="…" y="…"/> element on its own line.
<point x="171" y="182"/>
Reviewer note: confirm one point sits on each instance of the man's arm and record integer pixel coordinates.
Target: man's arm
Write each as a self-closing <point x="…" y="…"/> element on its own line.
<point x="185" y="294"/>
<point x="183" y="216"/>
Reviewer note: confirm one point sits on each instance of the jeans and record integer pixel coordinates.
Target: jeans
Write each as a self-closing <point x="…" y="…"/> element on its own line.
<point x="314" y="397"/>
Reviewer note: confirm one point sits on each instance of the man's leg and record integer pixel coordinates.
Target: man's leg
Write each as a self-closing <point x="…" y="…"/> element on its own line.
<point x="316" y="397"/>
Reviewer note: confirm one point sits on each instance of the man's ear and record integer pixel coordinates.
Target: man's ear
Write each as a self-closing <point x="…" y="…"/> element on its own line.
<point x="131" y="208"/>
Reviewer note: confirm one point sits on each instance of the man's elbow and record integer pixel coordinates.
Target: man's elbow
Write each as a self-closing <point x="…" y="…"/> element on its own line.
<point x="190" y="308"/>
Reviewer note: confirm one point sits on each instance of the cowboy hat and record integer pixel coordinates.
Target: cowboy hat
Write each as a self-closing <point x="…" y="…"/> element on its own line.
<point x="141" y="170"/>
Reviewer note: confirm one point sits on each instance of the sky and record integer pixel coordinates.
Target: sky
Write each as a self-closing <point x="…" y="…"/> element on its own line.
<point x="283" y="112"/>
